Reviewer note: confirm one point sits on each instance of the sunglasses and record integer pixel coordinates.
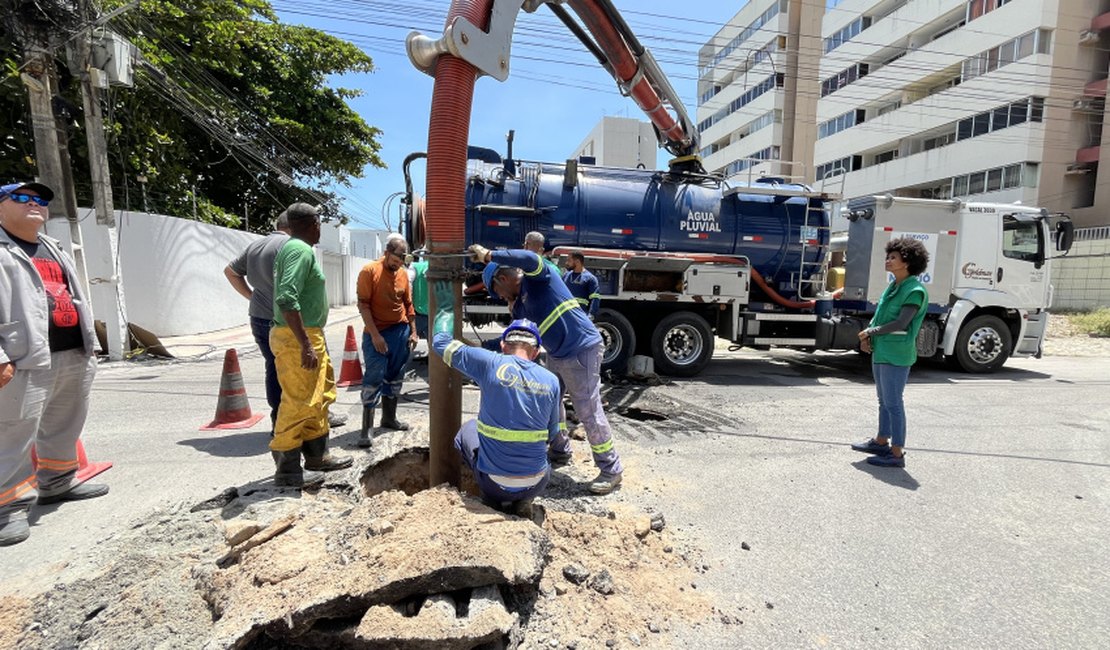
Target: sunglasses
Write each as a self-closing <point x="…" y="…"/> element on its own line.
<point x="27" y="198"/>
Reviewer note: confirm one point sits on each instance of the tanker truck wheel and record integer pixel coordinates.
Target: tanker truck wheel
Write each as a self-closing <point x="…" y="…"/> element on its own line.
<point x="682" y="344"/>
<point x="619" y="338"/>
<point x="983" y="344"/>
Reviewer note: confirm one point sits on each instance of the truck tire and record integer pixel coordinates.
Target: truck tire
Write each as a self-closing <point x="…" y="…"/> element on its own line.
<point x="619" y="338"/>
<point x="983" y="344"/>
<point x="682" y="344"/>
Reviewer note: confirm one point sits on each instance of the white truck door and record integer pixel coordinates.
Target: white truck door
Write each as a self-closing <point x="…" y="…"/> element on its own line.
<point x="977" y="260"/>
<point x="1021" y="271"/>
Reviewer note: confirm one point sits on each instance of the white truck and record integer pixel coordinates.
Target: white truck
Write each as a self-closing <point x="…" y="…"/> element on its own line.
<point x="988" y="280"/>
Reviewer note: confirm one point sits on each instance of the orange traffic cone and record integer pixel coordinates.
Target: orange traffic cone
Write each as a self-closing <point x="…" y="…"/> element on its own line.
<point x="85" y="469"/>
<point x="233" y="410"/>
<point x="350" y="373"/>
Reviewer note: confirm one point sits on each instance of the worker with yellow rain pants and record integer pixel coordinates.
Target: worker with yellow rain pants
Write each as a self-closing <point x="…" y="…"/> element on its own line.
<point x="304" y="369"/>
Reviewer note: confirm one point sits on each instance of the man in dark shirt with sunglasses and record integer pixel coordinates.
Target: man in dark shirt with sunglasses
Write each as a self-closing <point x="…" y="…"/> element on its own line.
<point x="47" y="363"/>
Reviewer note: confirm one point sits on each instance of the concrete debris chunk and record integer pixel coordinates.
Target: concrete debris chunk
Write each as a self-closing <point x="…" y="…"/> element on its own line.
<point x="602" y="583"/>
<point x="576" y="573"/>
<point x="238" y="531"/>
<point x="379" y="526"/>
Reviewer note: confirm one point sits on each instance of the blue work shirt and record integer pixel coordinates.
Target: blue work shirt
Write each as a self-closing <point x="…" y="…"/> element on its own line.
<point x="544" y="299"/>
<point x="584" y="287"/>
<point x="519" y="410"/>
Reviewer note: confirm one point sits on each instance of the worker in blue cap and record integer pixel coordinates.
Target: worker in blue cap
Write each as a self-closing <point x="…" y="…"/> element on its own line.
<point x="574" y="349"/>
<point x="506" y="445"/>
<point x="47" y="363"/>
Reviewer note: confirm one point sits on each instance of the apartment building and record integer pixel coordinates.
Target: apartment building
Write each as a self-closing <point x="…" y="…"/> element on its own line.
<point x="620" y="142"/>
<point x="753" y="111"/>
<point x="997" y="100"/>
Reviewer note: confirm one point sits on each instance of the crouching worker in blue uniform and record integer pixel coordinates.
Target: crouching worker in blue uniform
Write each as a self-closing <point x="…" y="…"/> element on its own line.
<point x="506" y="447"/>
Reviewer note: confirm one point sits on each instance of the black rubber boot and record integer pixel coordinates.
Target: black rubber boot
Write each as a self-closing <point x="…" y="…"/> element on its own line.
<point x="317" y="457"/>
<point x="389" y="415"/>
<point x="289" y="472"/>
<point x="364" y="440"/>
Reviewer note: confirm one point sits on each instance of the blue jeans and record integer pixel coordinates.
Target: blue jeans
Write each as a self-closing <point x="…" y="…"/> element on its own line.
<point x="890" y="383"/>
<point x="467" y="442"/>
<point x="385" y="373"/>
<point x="422" y="325"/>
<point x="260" y="328"/>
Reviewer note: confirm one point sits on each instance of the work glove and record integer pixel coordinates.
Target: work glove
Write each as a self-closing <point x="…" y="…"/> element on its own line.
<point x="445" y="322"/>
<point x="478" y="253"/>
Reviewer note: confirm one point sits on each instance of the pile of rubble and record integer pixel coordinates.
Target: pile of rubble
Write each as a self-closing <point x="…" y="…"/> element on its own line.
<point x="356" y="567"/>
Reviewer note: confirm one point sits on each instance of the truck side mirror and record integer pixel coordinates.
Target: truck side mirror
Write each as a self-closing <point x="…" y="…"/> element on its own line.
<point x="1065" y="235"/>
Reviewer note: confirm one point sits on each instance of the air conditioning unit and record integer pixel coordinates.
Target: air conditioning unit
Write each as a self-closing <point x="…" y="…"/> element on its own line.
<point x="1076" y="169"/>
<point x="1087" y="37"/>
<point x="1082" y="104"/>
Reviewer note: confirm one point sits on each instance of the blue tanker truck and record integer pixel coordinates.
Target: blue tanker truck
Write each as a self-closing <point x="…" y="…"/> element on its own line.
<point x="686" y="258"/>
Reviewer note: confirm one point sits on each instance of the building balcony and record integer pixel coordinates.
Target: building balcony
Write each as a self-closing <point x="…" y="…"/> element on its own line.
<point x="1088" y="155"/>
<point x="1101" y="22"/>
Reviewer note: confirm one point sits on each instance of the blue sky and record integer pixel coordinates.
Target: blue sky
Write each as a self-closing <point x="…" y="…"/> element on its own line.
<point x="555" y="94"/>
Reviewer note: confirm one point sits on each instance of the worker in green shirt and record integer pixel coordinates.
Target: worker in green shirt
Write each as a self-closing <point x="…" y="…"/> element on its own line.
<point x="301" y="356"/>
<point x="892" y="341"/>
<point x="419" y="284"/>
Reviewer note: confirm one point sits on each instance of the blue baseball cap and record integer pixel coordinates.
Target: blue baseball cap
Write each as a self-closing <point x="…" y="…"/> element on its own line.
<point x="487" y="275"/>
<point x="40" y="189"/>
<point x="522" y="330"/>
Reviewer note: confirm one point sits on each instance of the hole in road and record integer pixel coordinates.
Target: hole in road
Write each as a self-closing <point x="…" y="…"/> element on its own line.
<point x="641" y="415"/>
<point x="407" y="471"/>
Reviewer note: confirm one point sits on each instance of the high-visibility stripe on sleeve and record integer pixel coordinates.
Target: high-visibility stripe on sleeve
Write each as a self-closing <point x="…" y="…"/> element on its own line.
<point x="562" y="426"/>
<point x="603" y="447"/>
<point x="595" y="295"/>
<point x="512" y="435"/>
<point x="539" y="267"/>
<point x="450" y="351"/>
<point x="583" y="301"/>
<point x="561" y="309"/>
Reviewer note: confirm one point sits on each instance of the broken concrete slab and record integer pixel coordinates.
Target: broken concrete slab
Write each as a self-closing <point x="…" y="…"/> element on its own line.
<point x="439" y="625"/>
<point x="441" y="542"/>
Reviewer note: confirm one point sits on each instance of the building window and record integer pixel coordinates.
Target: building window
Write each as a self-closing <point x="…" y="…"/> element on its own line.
<point x="843" y="78"/>
<point x="847" y="33"/>
<point x="998" y="178"/>
<point x="744" y="35"/>
<point x="737" y="166"/>
<point x="838" y="167"/>
<point x="1038" y="41"/>
<point x="840" y="122"/>
<point x="771" y="82"/>
<point x="886" y="156"/>
<point x="978" y="8"/>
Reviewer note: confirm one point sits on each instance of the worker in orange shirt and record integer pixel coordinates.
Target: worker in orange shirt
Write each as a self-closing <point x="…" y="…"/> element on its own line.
<point x="385" y="304"/>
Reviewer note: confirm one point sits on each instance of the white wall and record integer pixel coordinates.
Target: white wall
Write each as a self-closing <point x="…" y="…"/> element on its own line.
<point x="1082" y="279"/>
<point x="173" y="270"/>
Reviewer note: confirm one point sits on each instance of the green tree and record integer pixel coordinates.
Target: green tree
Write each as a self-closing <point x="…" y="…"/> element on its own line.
<point x="231" y="113"/>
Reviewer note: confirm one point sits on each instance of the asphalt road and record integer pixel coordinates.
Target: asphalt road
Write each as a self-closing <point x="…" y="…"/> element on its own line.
<point x="992" y="536"/>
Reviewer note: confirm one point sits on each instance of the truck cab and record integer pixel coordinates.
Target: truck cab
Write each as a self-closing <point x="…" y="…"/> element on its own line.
<point x="988" y="276"/>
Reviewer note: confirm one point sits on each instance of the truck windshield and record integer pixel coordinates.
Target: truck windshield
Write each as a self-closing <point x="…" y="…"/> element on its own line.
<point x="1019" y="239"/>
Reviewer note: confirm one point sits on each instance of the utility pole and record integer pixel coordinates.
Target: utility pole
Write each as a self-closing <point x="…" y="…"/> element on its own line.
<point x="106" y="281"/>
<point x="51" y="144"/>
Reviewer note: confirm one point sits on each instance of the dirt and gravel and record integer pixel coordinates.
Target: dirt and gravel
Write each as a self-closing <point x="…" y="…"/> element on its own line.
<point x="355" y="565"/>
<point x="1065" y="339"/>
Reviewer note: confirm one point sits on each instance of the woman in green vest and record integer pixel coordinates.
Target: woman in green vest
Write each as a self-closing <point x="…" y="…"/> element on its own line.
<point x="891" y="339"/>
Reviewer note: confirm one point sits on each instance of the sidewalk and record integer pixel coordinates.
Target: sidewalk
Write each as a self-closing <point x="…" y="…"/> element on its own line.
<point x="213" y="344"/>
